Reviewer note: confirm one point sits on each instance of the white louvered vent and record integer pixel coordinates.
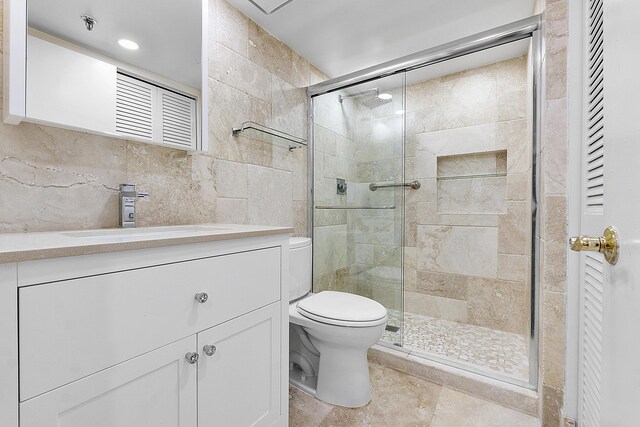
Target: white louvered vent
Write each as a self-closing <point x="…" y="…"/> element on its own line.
<point x="595" y="109"/>
<point x="592" y="341"/>
<point x="178" y="119"/>
<point x="134" y="107"/>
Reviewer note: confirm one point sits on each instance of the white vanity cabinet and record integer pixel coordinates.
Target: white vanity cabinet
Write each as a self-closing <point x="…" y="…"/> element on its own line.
<point x="183" y="336"/>
<point x="238" y="371"/>
<point x="154" y="389"/>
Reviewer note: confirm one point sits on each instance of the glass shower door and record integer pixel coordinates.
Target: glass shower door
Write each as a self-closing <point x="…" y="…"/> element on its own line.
<point x="358" y="197"/>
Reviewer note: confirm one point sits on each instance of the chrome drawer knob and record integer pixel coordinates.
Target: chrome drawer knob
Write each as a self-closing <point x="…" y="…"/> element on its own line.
<point x="209" y="350"/>
<point x="191" y="357"/>
<point x="202" y="297"/>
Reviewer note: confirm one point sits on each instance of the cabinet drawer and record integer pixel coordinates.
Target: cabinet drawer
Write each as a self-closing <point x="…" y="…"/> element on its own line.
<point x="74" y="328"/>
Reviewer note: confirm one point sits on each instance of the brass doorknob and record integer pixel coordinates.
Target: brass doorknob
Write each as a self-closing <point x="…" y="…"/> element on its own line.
<point x="607" y="244"/>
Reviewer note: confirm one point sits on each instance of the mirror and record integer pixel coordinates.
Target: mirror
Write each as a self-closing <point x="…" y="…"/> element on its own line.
<point x="125" y="69"/>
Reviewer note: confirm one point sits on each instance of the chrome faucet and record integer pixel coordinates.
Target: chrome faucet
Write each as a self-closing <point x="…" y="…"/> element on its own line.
<point x="128" y="196"/>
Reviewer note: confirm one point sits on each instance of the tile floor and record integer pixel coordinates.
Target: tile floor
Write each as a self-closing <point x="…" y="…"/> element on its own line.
<point x="401" y="400"/>
<point x="498" y="351"/>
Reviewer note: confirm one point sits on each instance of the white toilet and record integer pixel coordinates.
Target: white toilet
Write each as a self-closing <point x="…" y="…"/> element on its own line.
<point x="329" y="335"/>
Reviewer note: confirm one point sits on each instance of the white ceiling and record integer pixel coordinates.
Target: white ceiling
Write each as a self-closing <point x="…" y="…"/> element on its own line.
<point x="342" y="36"/>
<point x="168" y="32"/>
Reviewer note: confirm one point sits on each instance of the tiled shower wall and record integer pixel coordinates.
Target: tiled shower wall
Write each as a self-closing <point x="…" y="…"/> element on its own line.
<point x="334" y="156"/>
<point x="55" y="179"/>
<point x="358" y="250"/>
<point x="467" y="253"/>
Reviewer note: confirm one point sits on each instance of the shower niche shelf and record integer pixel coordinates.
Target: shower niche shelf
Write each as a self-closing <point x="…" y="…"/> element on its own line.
<point x="471" y="176"/>
<point x="264" y="133"/>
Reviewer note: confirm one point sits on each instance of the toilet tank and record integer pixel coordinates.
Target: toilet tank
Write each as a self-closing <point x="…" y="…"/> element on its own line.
<point x="299" y="267"/>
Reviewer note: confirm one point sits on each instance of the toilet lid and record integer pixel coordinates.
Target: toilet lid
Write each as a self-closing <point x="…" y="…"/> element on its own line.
<point x="341" y="306"/>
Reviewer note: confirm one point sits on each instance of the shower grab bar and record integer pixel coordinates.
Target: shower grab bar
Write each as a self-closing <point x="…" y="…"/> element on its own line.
<point x="355" y="207"/>
<point x="413" y="184"/>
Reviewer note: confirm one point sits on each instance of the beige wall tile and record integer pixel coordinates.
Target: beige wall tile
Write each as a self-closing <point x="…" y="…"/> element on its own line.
<point x="499" y="304"/>
<point x="442" y="285"/>
<point x="552" y="399"/>
<point x="512" y="88"/>
<point x="554" y="149"/>
<point x="513" y="136"/>
<point x="555" y="17"/>
<point x="316" y="76"/>
<point x="230" y="178"/>
<point x="289" y="112"/>
<point x="231" y="28"/>
<point x="238" y="72"/>
<point x="270" y="199"/>
<point x="485" y="195"/>
<point x="450" y="249"/>
<point x="513" y="267"/>
<point x="330" y="249"/>
<point x="553" y="339"/>
<point x="181" y="186"/>
<point x="438" y="307"/>
<point x="518" y="186"/>
<point x="555" y="242"/>
<point x="276" y="57"/>
<point x="513" y="228"/>
<point x="231" y="211"/>
<point x="300" y="218"/>
<point x="462" y="99"/>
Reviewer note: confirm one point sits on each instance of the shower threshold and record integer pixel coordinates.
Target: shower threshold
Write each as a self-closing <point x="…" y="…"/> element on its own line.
<point x="479" y="347"/>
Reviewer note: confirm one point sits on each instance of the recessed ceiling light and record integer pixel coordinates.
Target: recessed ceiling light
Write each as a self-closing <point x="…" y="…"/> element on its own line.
<point x="400" y="112"/>
<point x="128" y="44"/>
<point x="385" y="96"/>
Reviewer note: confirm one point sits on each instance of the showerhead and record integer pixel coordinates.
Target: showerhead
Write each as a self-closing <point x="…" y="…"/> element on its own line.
<point x="374" y="91"/>
<point x="376" y="102"/>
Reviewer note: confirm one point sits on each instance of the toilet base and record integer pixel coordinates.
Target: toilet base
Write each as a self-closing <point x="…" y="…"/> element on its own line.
<point x="330" y="362"/>
<point x="307" y="384"/>
<point x="353" y="393"/>
<point x="343" y="375"/>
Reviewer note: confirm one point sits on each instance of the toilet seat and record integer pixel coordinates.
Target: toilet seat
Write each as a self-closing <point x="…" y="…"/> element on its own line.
<point x="342" y="309"/>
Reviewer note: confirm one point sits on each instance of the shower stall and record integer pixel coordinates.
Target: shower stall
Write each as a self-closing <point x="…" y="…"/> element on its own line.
<point x="423" y="185"/>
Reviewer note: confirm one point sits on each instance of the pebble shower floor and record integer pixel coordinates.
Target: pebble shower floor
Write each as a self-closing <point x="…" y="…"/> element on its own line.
<point x="502" y="352"/>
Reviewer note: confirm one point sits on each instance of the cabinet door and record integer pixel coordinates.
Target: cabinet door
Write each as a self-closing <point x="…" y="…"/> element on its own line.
<point x="155" y="389"/>
<point x="69" y="89"/>
<point x="239" y="385"/>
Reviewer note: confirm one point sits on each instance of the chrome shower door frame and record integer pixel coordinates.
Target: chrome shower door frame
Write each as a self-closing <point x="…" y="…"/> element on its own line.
<point x="528" y="28"/>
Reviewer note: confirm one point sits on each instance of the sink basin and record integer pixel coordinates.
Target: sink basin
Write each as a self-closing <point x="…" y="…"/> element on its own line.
<point x="134" y="233"/>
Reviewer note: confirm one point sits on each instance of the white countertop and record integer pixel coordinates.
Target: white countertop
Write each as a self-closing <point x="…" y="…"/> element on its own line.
<point x="17" y="247"/>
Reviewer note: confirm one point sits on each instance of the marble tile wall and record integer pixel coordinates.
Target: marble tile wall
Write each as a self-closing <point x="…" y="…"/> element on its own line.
<point x="378" y="233"/>
<point x="55" y="179"/>
<point x="553" y="232"/>
<point x="334" y="157"/>
<point x="359" y="145"/>
<point x="467" y="239"/>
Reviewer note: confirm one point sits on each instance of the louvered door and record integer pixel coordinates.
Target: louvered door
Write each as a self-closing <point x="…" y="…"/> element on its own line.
<point x="150" y="113"/>
<point x="591" y="264"/>
<point x="609" y="362"/>
<point x="178" y="114"/>
<point x="135" y="102"/>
